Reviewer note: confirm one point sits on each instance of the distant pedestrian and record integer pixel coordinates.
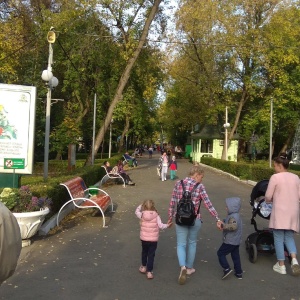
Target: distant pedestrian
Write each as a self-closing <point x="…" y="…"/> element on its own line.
<point x="150" y="151"/>
<point x="149" y="234"/>
<point x="163" y="166"/>
<point x="232" y="237"/>
<point x="173" y="168"/>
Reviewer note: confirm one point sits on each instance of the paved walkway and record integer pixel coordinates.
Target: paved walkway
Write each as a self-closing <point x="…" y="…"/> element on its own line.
<point x="82" y="260"/>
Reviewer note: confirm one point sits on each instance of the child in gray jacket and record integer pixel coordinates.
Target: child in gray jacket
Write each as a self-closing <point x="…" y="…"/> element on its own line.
<point x="232" y="237"/>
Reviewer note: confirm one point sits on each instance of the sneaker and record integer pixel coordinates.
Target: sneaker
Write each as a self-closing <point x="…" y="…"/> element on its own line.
<point x="182" y="276"/>
<point x="190" y="271"/>
<point x="142" y="269"/>
<point x="295" y="269"/>
<point x="279" y="269"/>
<point x="226" y="273"/>
<point x="150" y="275"/>
<point x="238" y="276"/>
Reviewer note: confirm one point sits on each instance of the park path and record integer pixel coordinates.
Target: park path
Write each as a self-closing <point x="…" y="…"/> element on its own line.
<point x="82" y="260"/>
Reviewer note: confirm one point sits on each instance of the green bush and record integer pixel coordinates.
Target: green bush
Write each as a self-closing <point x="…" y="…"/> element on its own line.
<point x="253" y="171"/>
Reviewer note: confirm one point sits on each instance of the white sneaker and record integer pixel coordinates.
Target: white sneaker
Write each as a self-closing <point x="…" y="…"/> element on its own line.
<point x="279" y="269"/>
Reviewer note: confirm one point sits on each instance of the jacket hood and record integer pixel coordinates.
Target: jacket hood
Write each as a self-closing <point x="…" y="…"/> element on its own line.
<point x="149" y="215"/>
<point x="233" y="204"/>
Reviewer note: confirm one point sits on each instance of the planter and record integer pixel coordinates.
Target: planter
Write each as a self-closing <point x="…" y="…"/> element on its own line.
<point x="30" y="223"/>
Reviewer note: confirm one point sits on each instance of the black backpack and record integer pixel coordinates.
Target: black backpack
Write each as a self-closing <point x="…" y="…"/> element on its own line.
<point x="185" y="214"/>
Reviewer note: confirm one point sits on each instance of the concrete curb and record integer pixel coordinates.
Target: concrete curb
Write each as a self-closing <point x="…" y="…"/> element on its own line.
<point x="51" y="223"/>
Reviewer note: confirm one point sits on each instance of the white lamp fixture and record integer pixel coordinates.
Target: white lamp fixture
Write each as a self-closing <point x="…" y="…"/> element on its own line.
<point x="53" y="82"/>
<point x="47" y="75"/>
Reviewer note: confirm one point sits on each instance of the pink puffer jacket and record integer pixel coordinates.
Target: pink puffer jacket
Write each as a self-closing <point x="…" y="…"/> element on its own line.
<point x="150" y="224"/>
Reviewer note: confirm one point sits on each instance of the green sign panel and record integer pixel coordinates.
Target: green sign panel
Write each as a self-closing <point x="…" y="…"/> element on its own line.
<point x="14" y="163"/>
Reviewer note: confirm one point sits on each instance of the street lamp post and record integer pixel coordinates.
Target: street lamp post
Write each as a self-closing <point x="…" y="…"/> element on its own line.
<point x="51" y="83"/>
<point x="110" y="137"/>
<point x="271" y="133"/>
<point x="226" y="126"/>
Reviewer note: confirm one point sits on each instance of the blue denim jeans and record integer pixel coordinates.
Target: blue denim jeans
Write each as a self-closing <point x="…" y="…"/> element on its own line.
<point x="187" y="243"/>
<point x="284" y="237"/>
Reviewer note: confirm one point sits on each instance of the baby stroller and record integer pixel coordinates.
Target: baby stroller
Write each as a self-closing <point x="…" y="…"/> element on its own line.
<point x="261" y="240"/>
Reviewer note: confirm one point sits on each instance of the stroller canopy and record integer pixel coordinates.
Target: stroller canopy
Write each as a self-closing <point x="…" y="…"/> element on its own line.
<point x="257" y="200"/>
<point x="259" y="190"/>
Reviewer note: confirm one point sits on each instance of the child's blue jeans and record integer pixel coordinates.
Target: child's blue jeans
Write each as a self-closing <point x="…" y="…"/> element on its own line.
<point x="226" y="249"/>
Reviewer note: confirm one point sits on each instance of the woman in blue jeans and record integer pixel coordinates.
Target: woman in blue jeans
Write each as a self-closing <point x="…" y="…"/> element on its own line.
<point x="284" y="193"/>
<point x="187" y="235"/>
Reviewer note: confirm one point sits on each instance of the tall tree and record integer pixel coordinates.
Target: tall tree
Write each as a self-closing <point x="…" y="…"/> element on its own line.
<point x="132" y="56"/>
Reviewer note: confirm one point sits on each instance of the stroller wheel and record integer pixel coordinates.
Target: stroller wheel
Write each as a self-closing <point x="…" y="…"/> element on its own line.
<point x="252" y="253"/>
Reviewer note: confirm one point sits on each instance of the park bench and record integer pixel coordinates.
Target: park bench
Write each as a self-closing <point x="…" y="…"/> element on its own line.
<point x="83" y="197"/>
<point x="127" y="161"/>
<point x="112" y="175"/>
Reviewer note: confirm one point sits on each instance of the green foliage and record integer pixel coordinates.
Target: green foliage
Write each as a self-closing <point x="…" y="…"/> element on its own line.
<point x="22" y="200"/>
<point x="250" y="171"/>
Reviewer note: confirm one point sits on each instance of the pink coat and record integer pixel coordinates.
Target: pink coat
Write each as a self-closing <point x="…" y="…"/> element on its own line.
<point x="150" y="224"/>
<point x="284" y="191"/>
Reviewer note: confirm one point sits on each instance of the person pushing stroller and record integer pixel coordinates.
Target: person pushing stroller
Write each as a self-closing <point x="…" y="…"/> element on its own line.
<point x="232" y="237"/>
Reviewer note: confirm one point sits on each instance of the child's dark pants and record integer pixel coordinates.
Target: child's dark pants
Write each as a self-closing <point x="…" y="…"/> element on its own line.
<point x="148" y="253"/>
<point x="224" y="250"/>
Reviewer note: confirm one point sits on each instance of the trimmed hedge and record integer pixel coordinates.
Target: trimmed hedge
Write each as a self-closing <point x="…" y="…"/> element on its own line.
<point x="255" y="172"/>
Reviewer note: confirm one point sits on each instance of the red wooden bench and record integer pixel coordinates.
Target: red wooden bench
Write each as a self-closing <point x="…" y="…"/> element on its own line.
<point x="84" y="197"/>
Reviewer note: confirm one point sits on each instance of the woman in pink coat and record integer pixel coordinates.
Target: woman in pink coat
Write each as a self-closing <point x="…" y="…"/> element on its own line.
<point x="284" y="192"/>
<point x="149" y="234"/>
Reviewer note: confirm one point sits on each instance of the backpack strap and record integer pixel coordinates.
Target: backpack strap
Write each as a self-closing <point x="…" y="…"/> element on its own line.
<point x="195" y="186"/>
<point x="183" y="188"/>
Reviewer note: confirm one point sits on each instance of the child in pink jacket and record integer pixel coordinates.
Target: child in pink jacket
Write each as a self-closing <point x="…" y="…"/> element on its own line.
<point x="149" y="234"/>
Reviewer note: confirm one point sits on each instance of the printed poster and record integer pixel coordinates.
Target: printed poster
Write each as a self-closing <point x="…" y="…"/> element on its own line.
<point x="17" y="119"/>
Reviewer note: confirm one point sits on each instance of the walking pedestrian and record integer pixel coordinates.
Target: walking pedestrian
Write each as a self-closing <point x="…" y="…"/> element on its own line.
<point x="284" y="192"/>
<point x="232" y="237"/>
<point x="187" y="236"/>
<point x="149" y="233"/>
<point x="173" y="168"/>
<point x="163" y="165"/>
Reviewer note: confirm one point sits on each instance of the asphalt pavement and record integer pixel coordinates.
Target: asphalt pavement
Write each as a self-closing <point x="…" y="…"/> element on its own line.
<point x="82" y="260"/>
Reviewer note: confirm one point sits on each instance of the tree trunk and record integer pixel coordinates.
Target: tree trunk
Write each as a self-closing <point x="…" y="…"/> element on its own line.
<point x="287" y="142"/>
<point x="121" y="146"/>
<point x="123" y="80"/>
